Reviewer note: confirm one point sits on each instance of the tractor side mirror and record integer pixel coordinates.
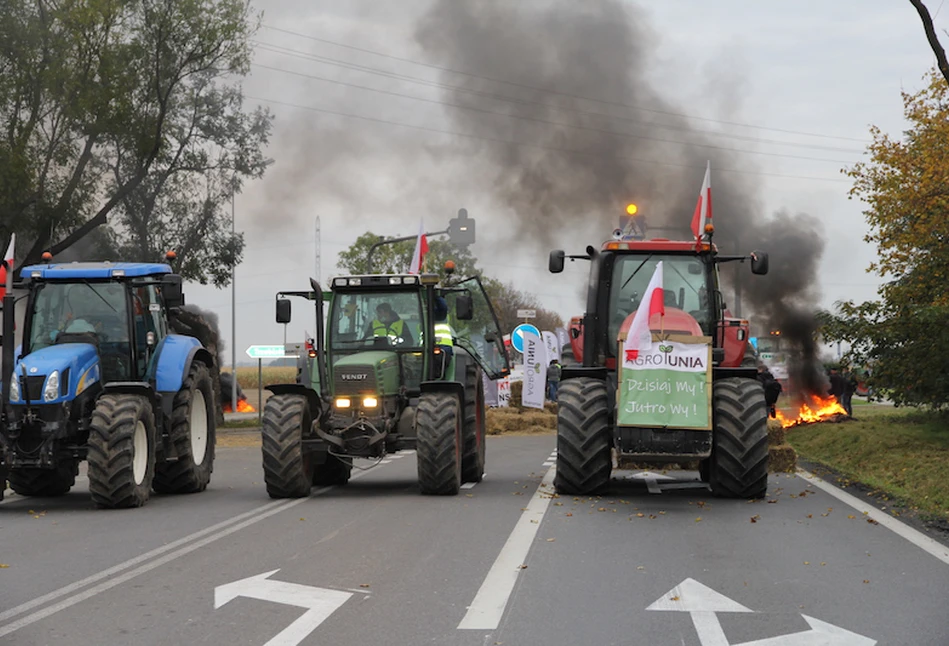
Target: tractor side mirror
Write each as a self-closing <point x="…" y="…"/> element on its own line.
<point x="575" y="332"/>
<point x="171" y="291"/>
<point x="150" y="339"/>
<point x="490" y="337"/>
<point x="555" y="262"/>
<point x="464" y="308"/>
<point x="283" y="310"/>
<point x="759" y="263"/>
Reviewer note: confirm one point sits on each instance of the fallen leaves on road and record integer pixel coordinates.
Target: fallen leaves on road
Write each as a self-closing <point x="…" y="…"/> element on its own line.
<point x="699" y="519"/>
<point x="755" y="518"/>
<point x="522" y="567"/>
<point x="4" y="566"/>
<point x="851" y="516"/>
<point x="363" y="585"/>
<point x="873" y="522"/>
<point x="676" y="598"/>
<point x="551" y="540"/>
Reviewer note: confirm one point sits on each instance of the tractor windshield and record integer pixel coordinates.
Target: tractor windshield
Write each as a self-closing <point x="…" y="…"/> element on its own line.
<point x="683" y="281"/>
<point x="94" y="312"/>
<point x="383" y="319"/>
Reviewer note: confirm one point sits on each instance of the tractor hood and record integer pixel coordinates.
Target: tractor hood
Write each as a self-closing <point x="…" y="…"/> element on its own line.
<point x="373" y="371"/>
<point x="74" y="362"/>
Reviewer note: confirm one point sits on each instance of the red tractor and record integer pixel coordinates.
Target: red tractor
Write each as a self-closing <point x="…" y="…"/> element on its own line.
<point x="606" y="405"/>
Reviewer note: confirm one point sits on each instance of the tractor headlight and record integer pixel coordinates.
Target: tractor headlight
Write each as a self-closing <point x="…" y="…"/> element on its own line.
<point x="343" y="402"/>
<point x="14" y="388"/>
<point x="51" y="391"/>
<point x="369" y="402"/>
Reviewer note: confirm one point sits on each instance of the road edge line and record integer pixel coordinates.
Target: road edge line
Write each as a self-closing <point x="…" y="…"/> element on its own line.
<point x="487" y="609"/>
<point x="898" y="527"/>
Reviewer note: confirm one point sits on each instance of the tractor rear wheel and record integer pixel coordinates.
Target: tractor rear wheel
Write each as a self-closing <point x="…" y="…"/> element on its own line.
<point x="738" y="467"/>
<point x="335" y="471"/>
<point x="472" y="452"/>
<point x="584" y="437"/>
<point x="44" y="483"/>
<point x="121" y="451"/>
<point x="288" y="470"/>
<point x="438" y="443"/>
<point x="192" y="433"/>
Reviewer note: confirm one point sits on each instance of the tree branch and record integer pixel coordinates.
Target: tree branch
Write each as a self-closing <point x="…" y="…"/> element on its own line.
<point x="932" y="38"/>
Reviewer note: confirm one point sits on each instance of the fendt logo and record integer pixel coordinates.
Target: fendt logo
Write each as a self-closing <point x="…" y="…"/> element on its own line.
<point x="360" y="377"/>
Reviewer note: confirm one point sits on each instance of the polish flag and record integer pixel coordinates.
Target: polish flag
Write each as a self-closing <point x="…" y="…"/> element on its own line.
<point x="421" y="248"/>
<point x="639" y="336"/>
<point x="703" y="209"/>
<point x="6" y="268"/>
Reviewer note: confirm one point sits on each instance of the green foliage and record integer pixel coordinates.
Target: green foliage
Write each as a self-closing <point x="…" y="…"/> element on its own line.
<point x="131" y="108"/>
<point x="905" y="183"/>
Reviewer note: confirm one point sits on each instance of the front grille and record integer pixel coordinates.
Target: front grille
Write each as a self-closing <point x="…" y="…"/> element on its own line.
<point x="34" y="387"/>
<point x="353" y="380"/>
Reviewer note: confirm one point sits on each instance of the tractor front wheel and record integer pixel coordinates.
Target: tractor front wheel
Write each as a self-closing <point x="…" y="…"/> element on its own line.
<point x="438" y="444"/>
<point x="288" y="470"/>
<point x="121" y="451"/>
<point x="192" y="434"/>
<point x="584" y="437"/>
<point x="738" y="467"/>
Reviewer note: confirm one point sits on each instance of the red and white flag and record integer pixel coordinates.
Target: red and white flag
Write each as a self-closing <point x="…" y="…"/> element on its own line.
<point x="6" y="269"/>
<point x="703" y="209"/>
<point x="421" y="248"/>
<point x="639" y="336"/>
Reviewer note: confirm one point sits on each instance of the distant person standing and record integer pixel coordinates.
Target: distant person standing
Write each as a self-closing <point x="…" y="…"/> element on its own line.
<point x="850" y="387"/>
<point x="837" y="385"/>
<point x="553" y="380"/>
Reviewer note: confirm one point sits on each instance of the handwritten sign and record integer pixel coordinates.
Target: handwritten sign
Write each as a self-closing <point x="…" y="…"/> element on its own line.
<point x="668" y="385"/>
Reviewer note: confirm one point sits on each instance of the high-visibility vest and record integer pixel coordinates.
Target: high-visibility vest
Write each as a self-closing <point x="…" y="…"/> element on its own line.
<point x="394" y="329"/>
<point x="443" y="334"/>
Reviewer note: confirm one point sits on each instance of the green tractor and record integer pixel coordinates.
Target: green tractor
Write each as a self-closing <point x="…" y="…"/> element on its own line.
<point x="399" y="367"/>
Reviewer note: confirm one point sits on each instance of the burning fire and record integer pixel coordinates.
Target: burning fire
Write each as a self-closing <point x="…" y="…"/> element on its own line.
<point x="242" y="407"/>
<point x="816" y="410"/>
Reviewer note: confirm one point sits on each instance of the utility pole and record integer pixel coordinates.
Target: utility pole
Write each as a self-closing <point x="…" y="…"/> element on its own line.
<point x="234" y="318"/>
<point x="317" y="244"/>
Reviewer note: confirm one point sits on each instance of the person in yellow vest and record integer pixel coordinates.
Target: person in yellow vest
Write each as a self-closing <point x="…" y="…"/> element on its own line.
<point x="444" y="334"/>
<point x="388" y="324"/>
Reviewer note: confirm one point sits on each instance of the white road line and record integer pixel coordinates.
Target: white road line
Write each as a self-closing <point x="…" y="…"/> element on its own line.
<point x="486" y="610"/>
<point x="915" y="537"/>
<point x="188" y="544"/>
<point x="652" y="485"/>
<point x="468" y="485"/>
<point x="548" y="464"/>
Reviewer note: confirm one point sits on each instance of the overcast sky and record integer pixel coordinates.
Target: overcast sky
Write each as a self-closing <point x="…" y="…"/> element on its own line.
<point x="778" y="72"/>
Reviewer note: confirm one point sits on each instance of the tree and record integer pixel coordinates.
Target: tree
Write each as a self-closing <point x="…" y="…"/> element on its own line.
<point x="905" y="184"/>
<point x="507" y="299"/>
<point x="934" y="43"/>
<point x="96" y="98"/>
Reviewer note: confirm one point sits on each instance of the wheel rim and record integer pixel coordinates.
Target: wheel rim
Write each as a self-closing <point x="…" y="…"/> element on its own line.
<point x="139" y="452"/>
<point x="198" y="427"/>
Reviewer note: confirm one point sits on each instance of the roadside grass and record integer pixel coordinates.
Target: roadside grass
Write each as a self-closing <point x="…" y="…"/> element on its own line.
<point x="902" y="453"/>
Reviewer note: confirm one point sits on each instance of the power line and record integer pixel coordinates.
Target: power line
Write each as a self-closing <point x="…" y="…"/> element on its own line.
<point x="554" y="92"/>
<point x="546" y="121"/>
<point x="528" y="145"/>
<point x="286" y="51"/>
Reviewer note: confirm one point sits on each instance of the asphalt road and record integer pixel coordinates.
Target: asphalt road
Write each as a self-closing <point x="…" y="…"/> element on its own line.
<point x="655" y="562"/>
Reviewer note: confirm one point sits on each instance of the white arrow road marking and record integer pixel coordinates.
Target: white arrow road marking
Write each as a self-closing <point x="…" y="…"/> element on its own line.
<point x="651" y="479"/>
<point x="319" y="602"/>
<point x="701" y="602"/>
<point x="684" y="485"/>
<point x="486" y="610"/>
<point x="820" y="634"/>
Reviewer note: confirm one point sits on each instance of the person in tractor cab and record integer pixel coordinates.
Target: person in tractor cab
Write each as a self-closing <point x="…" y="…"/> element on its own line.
<point x="388" y="324"/>
<point x="444" y="334"/>
<point x="772" y="388"/>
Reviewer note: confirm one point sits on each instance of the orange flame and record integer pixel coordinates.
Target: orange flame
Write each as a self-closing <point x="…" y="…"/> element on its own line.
<point x="242" y="407"/>
<point x="820" y="408"/>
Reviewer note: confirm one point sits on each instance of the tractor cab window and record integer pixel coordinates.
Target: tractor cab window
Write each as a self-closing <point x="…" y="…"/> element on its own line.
<point x="384" y="319"/>
<point x="481" y="335"/>
<point x="148" y="318"/>
<point x="684" y="288"/>
<point x="86" y="312"/>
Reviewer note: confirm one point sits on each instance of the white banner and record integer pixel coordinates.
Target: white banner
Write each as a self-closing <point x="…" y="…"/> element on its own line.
<point x="535" y="371"/>
<point x="670" y="355"/>
<point x="553" y="345"/>
<point x="504" y="392"/>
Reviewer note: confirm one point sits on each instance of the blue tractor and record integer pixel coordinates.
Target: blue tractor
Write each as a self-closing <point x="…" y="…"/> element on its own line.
<point x="99" y="377"/>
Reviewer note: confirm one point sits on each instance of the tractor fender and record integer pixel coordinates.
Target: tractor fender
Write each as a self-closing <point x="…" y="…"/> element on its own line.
<point x="312" y="397"/>
<point x="173" y="359"/>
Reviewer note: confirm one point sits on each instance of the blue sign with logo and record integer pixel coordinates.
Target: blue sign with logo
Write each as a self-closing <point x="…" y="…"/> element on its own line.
<point x="517" y="336"/>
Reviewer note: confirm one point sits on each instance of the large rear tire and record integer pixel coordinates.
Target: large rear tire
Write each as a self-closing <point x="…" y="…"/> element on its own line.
<point x="335" y="471"/>
<point x="584" y="437"/>
<point x="738" y="467"/>
<point x="44" y="483"/>
<point x="472" y="452"/>
<point x="288" y="470"/>
<point x="193" y="434"/>
<point x="121" y="451"/>
<point x="438" y="444"/>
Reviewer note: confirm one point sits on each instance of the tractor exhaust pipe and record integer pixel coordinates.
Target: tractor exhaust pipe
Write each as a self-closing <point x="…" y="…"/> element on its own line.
<point x="8" y="343"/>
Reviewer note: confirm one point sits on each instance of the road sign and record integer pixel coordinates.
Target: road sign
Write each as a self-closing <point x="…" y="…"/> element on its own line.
<point x="701" y="602"/>
<point x="320" y="603"/>
<point x="527" y="314"/>
<point x="266" y="352"/>
<point x="517" y="336"/>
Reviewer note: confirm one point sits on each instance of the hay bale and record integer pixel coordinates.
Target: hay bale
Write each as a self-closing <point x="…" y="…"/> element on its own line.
<point x="776" y="433"/>
<point x="514" y="420"/>
<point x="782" y="459"/>
<point x="517" y="392"/>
